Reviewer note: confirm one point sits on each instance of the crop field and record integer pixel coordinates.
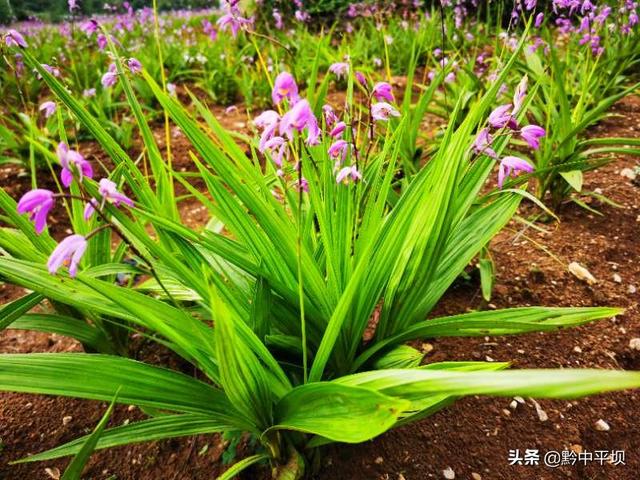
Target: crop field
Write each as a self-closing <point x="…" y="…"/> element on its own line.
<point x="319" y="239"/>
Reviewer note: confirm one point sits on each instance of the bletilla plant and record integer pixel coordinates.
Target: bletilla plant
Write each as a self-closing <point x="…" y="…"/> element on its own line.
<point x="296" y="300"/>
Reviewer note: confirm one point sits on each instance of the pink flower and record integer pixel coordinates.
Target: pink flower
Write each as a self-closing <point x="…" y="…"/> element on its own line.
<point x="284" y="87"/>
<point x="298" y="118"/>
<point x="278" y="147"/>
<point x="338" y="129"/>
<point x="109" y="191"/>
<point x="134" y="65"/>
<point x="340" y="69"/>
<point x="361" y="78"/>
<point x="71" y="159"/>
<point x="89" y="209"/>
<point x="102" y="41"/>
<point x="382" y="92"/>
<point x="89" y="92"/>
<point x="268" y="122"/>
<point x="330" y="116"/>
<point x="232" y="21"/>
<point x="512" y="164"/>
<point x="519" y="95"/>
<point x="15" y="38"/>
<point x="110" y="78"/>
<point x="531" y="134"/>
<point x="339" y="150"/>
<point x="348" y="174"/>
<point x="382" y="111"/>
<point x="539" y="20"/>
<point x="501" y="116"/>
<point x="89" y="27"/>
<point x="38" y="203"/>
<point x="48" y="108"/>
<point x="69" y="252"/>
<point x="482" y="144"/>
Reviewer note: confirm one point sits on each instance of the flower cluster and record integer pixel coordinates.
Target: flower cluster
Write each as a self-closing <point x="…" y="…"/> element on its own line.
<point x="503" y="121"/>
<point x="38" y="203"/>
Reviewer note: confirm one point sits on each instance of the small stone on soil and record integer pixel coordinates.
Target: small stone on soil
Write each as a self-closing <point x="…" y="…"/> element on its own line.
<point x="379" y="460"/>
<point x="634" y="344"/>
<point x="582" y="273"/>
<point x="66" y="420"/>
<point x="602" y="426"/>
<point x="476" y="476"/>
<point x="577" y="349"/>
<point x="617" y="278"/>
<point x="449" y="474"/>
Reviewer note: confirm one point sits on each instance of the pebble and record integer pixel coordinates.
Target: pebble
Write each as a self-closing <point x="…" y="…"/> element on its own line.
<point x="628" y="173"/>
<point x="632" y="289"/>
<point x="53" y="473"/>
<point x="634" y="344"/>
<point x="582" y="273"/>
<point x="66" y="420"/>
<point x="602" y="426"/>
<point x="476" y="476"/>
<point x="379" y="460"/>
<point x="542" y="415"/>
<point x="617" y="278"/>
<point x="449" y="474"/>
<point x="577" y="349"/>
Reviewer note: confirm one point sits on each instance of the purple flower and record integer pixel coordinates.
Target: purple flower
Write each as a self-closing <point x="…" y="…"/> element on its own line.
<point x="519" y="95"/>
<point x="284" y="87"/>
<point x="348" y="174"/>
<point x="501" y="116"/>
<point x="89" y="27"/>
<point x="110" y="78"/>
<point x="330" y="116"/>
<point x="13" y="37"/>
<point x="482" y="144"/>
<point x="109" y="191"/>
<point x="382" y="91"/>
<point x="361" y="78"/>
<point x="340" y="69"/>
<point x="89" y="208"/>
<point x="134" y="65"/>
<point x="38" y="203"/>
<point x="531" y="134"/>
<point x="339" y="150"/>
<point x="338" y="129"/>
<point x="298" y="118"/>
<point x="48" y="108"/>
<point x="102" y="41"/>
<point x="382" y="111"/>
<point x="232" y="21"/>
<point x="70" y="159"/>
<point x="89" y="92"/>
<point x="278" y="147"/>
<point x="69" y="252"/>
<point x="73" y="4"/>
<point x="539" y="20"/>
<point x="268" y="122"/>
<point x="512" y="164"/>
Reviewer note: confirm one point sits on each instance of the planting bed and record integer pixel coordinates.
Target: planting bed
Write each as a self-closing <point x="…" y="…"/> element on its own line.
<point x="472" y="437"/>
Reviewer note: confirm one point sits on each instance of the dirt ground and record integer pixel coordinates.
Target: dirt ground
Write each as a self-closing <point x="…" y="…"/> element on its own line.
<point x="472" y="438"/>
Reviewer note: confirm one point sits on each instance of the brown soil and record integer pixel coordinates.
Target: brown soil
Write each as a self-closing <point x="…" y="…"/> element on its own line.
<point x="474" y="435"/>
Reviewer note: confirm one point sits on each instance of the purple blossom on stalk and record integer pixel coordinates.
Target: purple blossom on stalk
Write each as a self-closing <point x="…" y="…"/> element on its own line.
<point x="110" y="78"/>
<point x="338" y="129"/>
<point x="302" y="185"/>
<point x="89" y="27"/>
<point x="134" y="65"/>
<point x="69" y="252"/>
<point x="278" y="147"/>
<point x="532" y="134"/>
<point x="102" y="41"/>
<point x="382" y="91"/>
<point x="382" y="111"/>
<point x="268" y="122"/>
<point x="511" y="164"/>
<point x="339" y="69"/>
<point x="48" y="108"/>
<point x="362" y="80"/>
<point x="89" y="92"/>
<point x="38" y="203"/>
<point x="89" y="209"/>
<point x="330" y="116"/>
<point x="109" y="192"/>
<point x="482" y="144"/>
<point x="539" y="20"/>
<point x="520" y="94"/>
<point x="209" y="29"/>
<point x="348" y="174"/>
<point x="73" y="4"/>
<point x="284" y="87"/>
<point x="501" y="116"/>
<point x="277" y="18"/>
<point x="298" y="118"/>
<point x="339" y="150"/>
<point x="15" y="38"/>
<point x="70" y="158"/>
<point x="55" y="71"/>
<point x="172" y="89"/>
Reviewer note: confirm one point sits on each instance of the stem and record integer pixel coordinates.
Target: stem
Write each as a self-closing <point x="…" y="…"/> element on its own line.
<point x="303" y="325"/>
